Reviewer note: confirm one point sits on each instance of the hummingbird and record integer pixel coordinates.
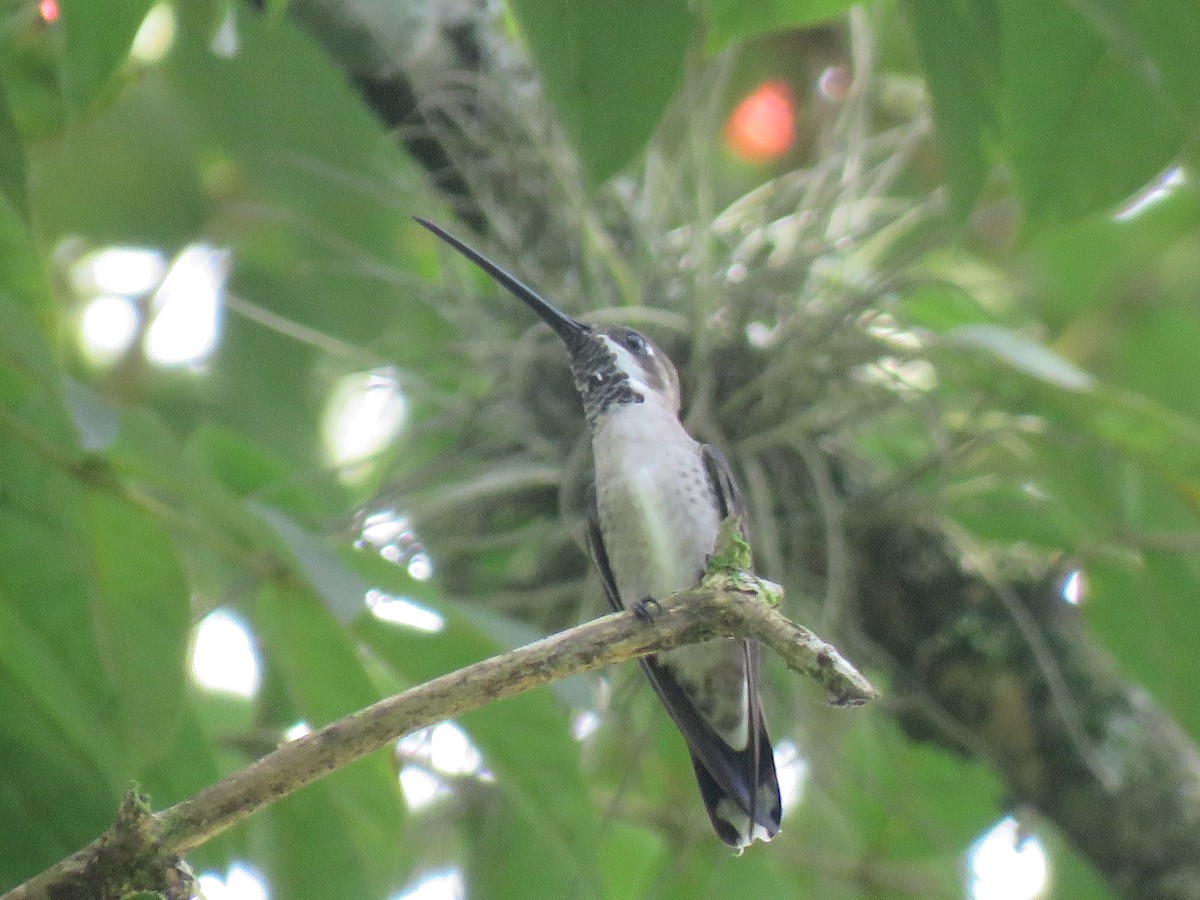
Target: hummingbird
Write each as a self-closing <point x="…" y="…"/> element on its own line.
<point x="659" y="499"/>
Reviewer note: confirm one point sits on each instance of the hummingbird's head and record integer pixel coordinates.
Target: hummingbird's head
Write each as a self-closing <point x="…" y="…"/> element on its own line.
<point x="631" y="360"/>
<point x="611" y="364"/>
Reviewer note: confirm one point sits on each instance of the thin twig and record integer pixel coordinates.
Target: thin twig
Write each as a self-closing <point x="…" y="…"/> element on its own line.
<point x="716" y="609"/>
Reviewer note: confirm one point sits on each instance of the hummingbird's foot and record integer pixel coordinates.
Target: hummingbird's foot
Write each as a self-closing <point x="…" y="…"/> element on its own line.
<point x="642" y="609"/>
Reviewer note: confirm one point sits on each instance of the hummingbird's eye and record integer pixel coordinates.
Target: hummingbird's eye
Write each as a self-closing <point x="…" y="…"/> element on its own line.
<point x="636" y="342"/>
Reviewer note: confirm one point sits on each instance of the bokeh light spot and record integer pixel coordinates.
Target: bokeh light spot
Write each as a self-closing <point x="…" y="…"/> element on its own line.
<point x="763" y="126"/>
<point x="421" y="787"/>
<point x="1153" y="194"/>
<point x="240" y="883"/>
<point x="109" y="327"/>
<point x="187" y="319"/>
<point x="130" y="271"/>
<point x="403" y="611"/>
<point x="155" y="36"/>
<point x="224" y="657"/>
<point x="1074" y="587"/>
<point x="1006" y="865"/>
<point x="442" y="885"/>
<point x="366" y="412"/>
<point x="792" y="769"/>
<point x="834" y="83"/>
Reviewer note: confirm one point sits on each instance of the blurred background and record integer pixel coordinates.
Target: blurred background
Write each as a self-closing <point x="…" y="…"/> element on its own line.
<point x="931" y="275"/>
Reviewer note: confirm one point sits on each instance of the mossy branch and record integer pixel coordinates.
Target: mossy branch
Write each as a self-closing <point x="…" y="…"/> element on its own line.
<point x="728" y="604"/>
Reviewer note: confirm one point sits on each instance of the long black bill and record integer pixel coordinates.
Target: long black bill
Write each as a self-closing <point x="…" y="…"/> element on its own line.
<point x="570" y="330"/>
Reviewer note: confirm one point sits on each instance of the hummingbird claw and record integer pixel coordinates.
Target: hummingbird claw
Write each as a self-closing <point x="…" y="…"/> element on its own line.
<point x="642" y="609"/>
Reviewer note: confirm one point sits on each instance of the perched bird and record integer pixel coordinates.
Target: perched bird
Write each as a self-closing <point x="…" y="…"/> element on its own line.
<point x="659" y="499"/>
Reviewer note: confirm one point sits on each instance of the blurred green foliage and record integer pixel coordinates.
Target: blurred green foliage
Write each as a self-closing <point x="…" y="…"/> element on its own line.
<point x="135" y="499"/>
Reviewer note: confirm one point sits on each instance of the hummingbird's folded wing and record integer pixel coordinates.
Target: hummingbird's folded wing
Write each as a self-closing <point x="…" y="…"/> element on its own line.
<point x="739" y="786"/>
<point x="725" y="487"/>
<point x="765" y="803"/>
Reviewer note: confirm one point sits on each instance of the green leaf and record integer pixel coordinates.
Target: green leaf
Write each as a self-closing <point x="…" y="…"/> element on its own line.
<point x="1071" y="877"/>
<point x="188" y="766"/>
<point x="242" y="466"/>
<point x="41" y="523"/>
<point x="919" y="780"/>
<point x="96" y="420"/>
<point x="1158" y="649"/>
<point x="499" y="828"/>
<point x="1008" y="514"/>
<point x="140" y="615"/>
<point x="1024" y="355"/>
<point x="526" y="741"/>
<point x="631" y="857"/>
<point x="143" y="175"/>
<point x="32" y="80"/>
<point x="97" y="35"/>
<point x="942" y="307"/>
<point x="342" y="591"/>
<point x="1158" y="439"/>
<point x="713" y="873"/>
<point x="277" y="9"/>
<point x="13" y="186"/>
<point x="314" y="848"/>
<point x="23" y="282"/>
<point x="1158" y="356"/>
<point x="57" y="792"/>
<point x="610" y="68"/>
<point x="322" y="670"/>
<point x="1080" y="264"/>
<point x="761" y="875"/>
<point x="360" y="804"/>
<point x="730" y="21"/>
<point x="60" y="763"/>
<point x="35" y="667"/>
<point x="890" y="802"/>
<point x="1081" y="128"/>
<point x="192" y="762"/>
<point x="1062" y="91"/>
<point x="147" y="454"/>
<point x="958" y="42"/>
<point x="1159" y="41"/>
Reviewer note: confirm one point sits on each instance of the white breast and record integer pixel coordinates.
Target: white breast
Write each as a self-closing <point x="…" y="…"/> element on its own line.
<point x="656" y="508"/>
<point x="659" y="519"/>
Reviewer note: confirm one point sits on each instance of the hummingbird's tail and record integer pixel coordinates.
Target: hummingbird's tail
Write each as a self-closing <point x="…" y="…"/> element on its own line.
<point x="734" y="824"/>
<point x="739" y="787"/>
